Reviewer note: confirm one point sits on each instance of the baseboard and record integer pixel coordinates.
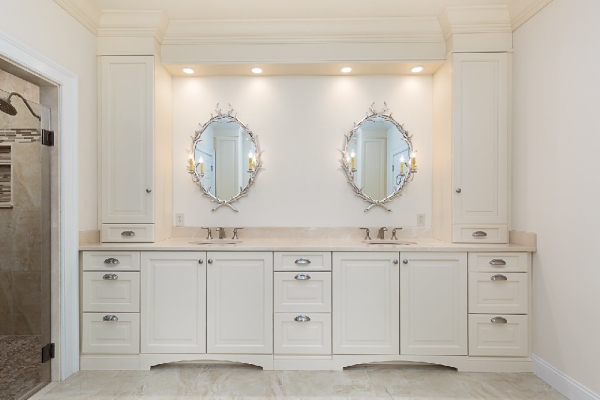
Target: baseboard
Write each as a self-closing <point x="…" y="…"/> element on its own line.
<point x="565" y="385"/>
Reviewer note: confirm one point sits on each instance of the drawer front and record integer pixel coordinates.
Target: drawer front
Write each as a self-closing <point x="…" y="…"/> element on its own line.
<point x="480" y="234"/>
<point x="111" y="291"/>
<point x="308" y="261"/>
<point x="510" y="339"/>
<point x="123" y="233"/>
<point x="120" y="336"/>
<point x="111" y="260"/>
<point x="302" y="291"/>
<point x="498" y="293"/>
<point x="312" y="337"/>
<point x="498" y="262"/>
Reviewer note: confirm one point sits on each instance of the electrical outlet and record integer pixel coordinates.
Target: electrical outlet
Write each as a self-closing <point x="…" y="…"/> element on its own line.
<point x="421" y="220"/>
<point x="180" y="219"/>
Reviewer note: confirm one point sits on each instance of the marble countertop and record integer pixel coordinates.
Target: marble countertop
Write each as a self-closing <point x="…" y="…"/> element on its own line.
<point x="304" y="244"/>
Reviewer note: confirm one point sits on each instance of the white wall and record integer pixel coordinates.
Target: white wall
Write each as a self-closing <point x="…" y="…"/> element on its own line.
<point x="556" y="189"/>
<point x="47" y="28"/>
<point x="300" y="123"/>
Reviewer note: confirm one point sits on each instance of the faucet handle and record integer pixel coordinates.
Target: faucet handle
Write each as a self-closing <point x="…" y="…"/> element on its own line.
<point x="235" y="231"/>
<point x="208" y="231"/>
<point x="394" y="234"/>
<point x="368" y="231"/>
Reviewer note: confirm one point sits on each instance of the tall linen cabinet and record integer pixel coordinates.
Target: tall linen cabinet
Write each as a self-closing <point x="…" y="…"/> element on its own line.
<point x="470" y="148"/>
<point x="135" y="173"/>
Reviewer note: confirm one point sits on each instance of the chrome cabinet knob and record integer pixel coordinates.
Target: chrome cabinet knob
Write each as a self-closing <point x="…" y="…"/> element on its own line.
<point x="200" y="261"/>
<point x="302" y="261"/>
<point x="302" y="318"/>
<point x="110" y="277"/>
<point x="112" y="261"/>
<point x="497" y="262"/>
<point x="405" y="261"/>
<point x="128" y="233"/>
<point x="110" y="318"/>
<point x="459" y="190"/>
<point x="210" y="261"/>
<point x="499" y="278"/>
<point x="302" y="277"/>
<point x="498" y="320"/>
<point x="395" y="261"/>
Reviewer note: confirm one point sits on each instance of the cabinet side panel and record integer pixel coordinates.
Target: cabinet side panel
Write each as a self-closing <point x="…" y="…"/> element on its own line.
<point x="442" y="152"/>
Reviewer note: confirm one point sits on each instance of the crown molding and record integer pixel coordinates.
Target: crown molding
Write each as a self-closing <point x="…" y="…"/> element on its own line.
<point x="468" y="20"/>
<point x="84" y="11"/>
<point x="118" y="23"/>
<point x="522" y="10"/>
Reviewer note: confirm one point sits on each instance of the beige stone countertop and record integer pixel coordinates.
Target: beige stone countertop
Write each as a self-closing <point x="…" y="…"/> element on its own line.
<point x="304" y="244"/>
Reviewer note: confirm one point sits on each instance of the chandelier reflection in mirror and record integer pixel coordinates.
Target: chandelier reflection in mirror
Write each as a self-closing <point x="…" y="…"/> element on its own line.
<point x="378" y="158"/>
<point x="225" y="158"/>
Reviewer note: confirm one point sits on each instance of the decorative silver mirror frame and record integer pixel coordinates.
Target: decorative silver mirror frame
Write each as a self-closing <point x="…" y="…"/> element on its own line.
<point x="230" y="116"/>
<point x="372" y="115"/>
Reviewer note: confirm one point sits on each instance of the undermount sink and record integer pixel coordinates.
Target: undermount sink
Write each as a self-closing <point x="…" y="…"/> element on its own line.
<point x="396" y="242"/>
<point x="218" y="241"/>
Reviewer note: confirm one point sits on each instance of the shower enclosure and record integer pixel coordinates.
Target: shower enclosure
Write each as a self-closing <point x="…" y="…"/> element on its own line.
<point x="24" y="247"/>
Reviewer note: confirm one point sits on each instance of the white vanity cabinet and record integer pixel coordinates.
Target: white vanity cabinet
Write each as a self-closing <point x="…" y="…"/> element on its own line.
<point x="433" y="299"/>
<point x="471" y="148"/>
<point x="135" y="129"/>
<point x="239" y="302"/>
<point x="366" y="303"/>
<point x="173" y="293"/>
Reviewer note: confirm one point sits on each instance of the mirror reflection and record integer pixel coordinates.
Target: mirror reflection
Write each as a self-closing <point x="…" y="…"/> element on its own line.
<point x="224" y="159"/>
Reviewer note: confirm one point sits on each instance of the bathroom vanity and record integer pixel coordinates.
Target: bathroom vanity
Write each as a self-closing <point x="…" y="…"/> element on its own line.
<point x="319" y="304"/>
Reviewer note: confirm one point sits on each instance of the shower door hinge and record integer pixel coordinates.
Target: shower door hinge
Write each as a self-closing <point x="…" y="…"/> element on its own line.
<point x="47" y="137"/>
<point x="47" y="352"/>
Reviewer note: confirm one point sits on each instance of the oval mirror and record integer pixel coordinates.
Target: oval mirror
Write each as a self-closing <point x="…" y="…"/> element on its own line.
<point x="378" y="158"/>
<point x="225" y="158"/>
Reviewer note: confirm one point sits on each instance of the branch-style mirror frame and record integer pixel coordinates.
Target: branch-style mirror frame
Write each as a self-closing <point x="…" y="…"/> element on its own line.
<point x="373" y="115"/>
<point x="230" y="116"/>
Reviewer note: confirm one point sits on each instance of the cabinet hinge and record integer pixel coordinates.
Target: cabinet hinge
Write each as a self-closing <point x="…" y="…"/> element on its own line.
<point x="47" y="137"/>
<point x="47" y="352"/>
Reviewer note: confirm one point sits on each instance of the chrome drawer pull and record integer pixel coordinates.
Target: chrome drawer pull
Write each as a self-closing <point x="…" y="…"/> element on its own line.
<point x="302" y="261"/>
<point x="110" y="318"/>
<point x="110" y="277"/>
<point x="128" y="233"/>
<point x="497" y="262"/>
<point x="479" y="234"/>
<point x="499" y="278"/>
<point x="112" y="261"/>
<point x="302" y="277"/>
<point x="302" y="318"/>
<point x="498" y="320"/>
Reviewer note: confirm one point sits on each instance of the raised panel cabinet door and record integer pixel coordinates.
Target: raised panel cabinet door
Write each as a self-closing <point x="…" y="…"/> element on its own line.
<point x="240" y="302"/>
<point x="365" y="303"/>
<point x="433" y="313"/>
<point x="127" y="132"/>
<point x="173" y="303"/>
<point x="480" y="138"/>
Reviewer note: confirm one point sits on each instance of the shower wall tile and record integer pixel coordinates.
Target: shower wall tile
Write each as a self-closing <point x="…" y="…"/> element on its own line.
<point x="26" y="289"/>
<point x="11" y="135"/>
<point x="6" y="297"/>
<point x="27" y="324"/>
<point x="7" y="327"/>
<point x="11" y="83"/>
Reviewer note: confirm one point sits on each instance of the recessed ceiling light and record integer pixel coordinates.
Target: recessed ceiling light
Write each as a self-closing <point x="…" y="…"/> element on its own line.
<point x="345" y="70"/>
<point x="417" y="69"/>
<point x="188" y="70"/>
<point x="257" y="70"/>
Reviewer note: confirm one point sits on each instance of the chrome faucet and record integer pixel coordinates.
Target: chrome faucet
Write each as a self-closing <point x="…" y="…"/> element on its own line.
<point x="221" y="232"/>
<point x="381" y="233"/>
<point x="209" y="233"/>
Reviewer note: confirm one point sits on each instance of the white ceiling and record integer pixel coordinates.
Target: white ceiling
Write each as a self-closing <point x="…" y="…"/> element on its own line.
<point x="292" y="9"/>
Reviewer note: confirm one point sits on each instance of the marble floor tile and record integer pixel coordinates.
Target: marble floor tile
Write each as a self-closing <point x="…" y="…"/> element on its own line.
<point x="223" y="381"/>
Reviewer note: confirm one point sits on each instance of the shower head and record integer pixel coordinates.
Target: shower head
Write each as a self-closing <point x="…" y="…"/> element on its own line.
<point x="7" y="107"/>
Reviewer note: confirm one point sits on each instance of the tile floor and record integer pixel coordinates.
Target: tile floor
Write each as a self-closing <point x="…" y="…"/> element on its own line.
<point x="189" y="381"/>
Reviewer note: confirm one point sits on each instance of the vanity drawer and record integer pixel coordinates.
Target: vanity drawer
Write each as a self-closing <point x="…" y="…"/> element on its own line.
<point x="311" y="337"/>
<point x="307" y="261"/>
<point x="302" y="291"/>
<point x="111" y="291"/>
<point x="116" y="336"/>
<point x="508" y="339"/>
<point x="480" y="234"/>
<point x="498" y="262"/>
<point x="111" y="261"/>
<point x="506" y="293"/>
<point x="123" y="233"/>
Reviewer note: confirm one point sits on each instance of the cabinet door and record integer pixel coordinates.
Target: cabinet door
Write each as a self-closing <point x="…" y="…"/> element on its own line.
<point x="365" y="303"/>
<point x="127" y="126"/>
<point x="240" y="302"/>
<point x="173" y="306"/>
<point x="480" y="138"/>
<point x="433" y="303"/>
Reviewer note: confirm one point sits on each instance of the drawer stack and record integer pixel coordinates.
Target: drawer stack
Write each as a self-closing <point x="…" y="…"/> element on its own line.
<point x="302" y="295"/>
<point x="110" y="303"/>
<point x="499" y="304"/>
